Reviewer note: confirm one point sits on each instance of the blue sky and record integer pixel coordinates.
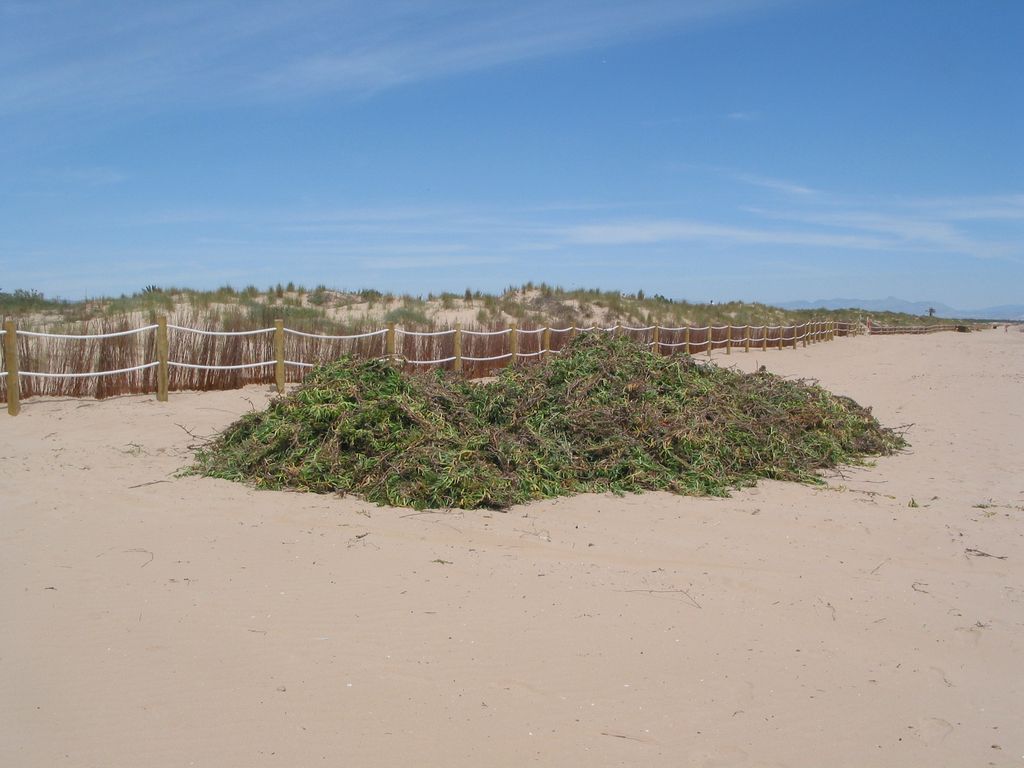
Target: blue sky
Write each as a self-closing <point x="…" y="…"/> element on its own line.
<point x="725" y="149"/>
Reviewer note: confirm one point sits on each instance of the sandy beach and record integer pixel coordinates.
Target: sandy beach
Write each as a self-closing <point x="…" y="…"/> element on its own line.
<point x="877" y="620"/>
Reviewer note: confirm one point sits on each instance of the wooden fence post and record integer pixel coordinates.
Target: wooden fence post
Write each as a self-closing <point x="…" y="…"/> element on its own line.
<point x="11" y="357"/>
<point x="728" y="339"/>
<point x="618" y="329"/>
<point x="545" y="343"/>
<point x="656" y="338"/>
<point x="572" y="332"/>
<point x="711" y="335"/>
<point x="458" y="348"/>
<point x="782" y="336"/>
<point x="161" y="359"/>
<point x="686" y="339"/>
<point x="746" y="338"/>
<point x="279" y="355"/>
<point x="389" y="341"/>
<point x="513" y="343"/>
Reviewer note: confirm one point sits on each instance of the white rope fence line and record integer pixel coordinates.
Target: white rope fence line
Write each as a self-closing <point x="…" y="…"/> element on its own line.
<point x="491" y="333"/>
<point x="381" y="332"/>
<point x="502" y="332"/>
<point x="216" y="333"/>
<point x="424" y="333"/>
<point x="47" y="375"/>
<point x="429" y="362"/>
<point x="909" y="329"/>
<point x="801" y="332"/>
<point x="241" y="367"/>
<point x="487" y="359"/>
<point x="80" y="337"/>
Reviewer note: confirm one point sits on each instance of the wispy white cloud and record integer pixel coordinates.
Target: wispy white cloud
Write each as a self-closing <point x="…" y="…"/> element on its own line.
<point x="779" y="185"/>
<point x="67" y="53"/>
<point x="880" y="222"/>
<point x="751" y="179"/>
<point x="981" y="208"/>
<point x="927" y="224"/>
<point x="639" y="232"/>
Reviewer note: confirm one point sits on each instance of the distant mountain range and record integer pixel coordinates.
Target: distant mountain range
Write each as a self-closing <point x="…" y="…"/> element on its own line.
<point x="893" y="304"/>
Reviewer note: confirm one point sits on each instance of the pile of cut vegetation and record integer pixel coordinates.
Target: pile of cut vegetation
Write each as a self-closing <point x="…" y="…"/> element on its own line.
<point x="606" y="415"/>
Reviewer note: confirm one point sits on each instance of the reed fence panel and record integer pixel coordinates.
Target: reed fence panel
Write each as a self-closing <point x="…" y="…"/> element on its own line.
<point x="109" y="358"/>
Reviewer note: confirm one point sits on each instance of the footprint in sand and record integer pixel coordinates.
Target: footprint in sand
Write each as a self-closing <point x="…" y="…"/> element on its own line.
<point x="933" y="730"/>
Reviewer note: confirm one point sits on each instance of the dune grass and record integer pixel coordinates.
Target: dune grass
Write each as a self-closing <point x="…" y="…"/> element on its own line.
<point x="607" y="415"/>
<point x="346" y="311"/>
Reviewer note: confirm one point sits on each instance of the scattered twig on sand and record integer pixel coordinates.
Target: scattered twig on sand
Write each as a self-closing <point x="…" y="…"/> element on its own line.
<point x="151" y="482"/>
<point x="830" y="607"/>
<point x="878" y="567"/>
<point x="916" y="586"/>
<point x="145" y="552"/>
<point x="360" y="538"/>
<point x="979" y="553"/>
<point x="621" y="736"/>
<point x="189" y="432"/>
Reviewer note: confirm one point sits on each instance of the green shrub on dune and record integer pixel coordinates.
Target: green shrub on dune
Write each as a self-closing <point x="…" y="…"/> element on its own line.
<point x="606" y="415"/>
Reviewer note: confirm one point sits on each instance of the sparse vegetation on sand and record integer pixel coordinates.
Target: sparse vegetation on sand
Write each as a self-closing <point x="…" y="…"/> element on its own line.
<point x="607" y="415"/>
<point x="322" y="309"/>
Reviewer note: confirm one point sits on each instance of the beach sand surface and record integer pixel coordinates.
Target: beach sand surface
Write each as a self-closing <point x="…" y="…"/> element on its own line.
<point x="877" y="620"/>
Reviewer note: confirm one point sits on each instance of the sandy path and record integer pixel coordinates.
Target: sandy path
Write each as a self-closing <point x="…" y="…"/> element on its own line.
<point x="158" y="621"/>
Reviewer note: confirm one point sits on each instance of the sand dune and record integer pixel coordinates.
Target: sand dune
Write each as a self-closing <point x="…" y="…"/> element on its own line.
<point x="152" y="620"/>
